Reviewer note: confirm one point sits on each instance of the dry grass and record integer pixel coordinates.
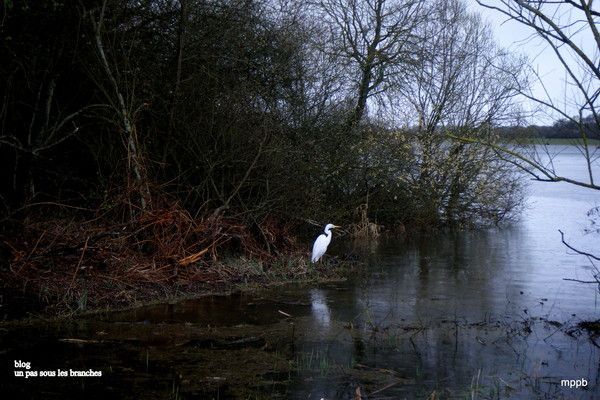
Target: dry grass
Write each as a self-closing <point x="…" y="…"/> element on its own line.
<point x="80" y="264"/>
<point x="365" y="228"/>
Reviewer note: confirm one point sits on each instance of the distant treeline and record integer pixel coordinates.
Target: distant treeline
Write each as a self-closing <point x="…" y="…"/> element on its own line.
<point x="561" y="129"/>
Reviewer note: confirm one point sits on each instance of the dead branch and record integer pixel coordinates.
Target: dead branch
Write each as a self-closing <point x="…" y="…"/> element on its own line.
<point x="583" y="253"/>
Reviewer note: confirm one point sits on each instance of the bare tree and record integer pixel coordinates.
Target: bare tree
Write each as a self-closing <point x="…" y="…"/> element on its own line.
<point x="48" y="127"/>
<point x="124" y="108"/>
<point x="561" y="24"/>
<point x="460" y="87"/>
<point x="375" y="39"/>
<point x="35" y="119"/>
<point x="570" y="30"/>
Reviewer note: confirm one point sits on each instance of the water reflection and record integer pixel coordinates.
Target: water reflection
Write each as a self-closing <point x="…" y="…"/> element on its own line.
<point x="320" y="309"/>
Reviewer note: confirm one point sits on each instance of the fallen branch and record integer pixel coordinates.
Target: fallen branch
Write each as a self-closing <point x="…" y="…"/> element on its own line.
<point x="193" y="258"/>
<point x="385" y="387"/>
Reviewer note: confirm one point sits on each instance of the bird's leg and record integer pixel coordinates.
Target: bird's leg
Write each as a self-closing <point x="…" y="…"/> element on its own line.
<point x="321" y="263"/>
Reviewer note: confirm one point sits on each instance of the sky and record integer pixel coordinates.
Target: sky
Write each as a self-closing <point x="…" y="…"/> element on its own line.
<point x="518" y="38"/>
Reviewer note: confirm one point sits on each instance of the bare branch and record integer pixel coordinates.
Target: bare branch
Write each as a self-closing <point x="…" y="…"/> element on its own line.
<point x="583" y="253"/>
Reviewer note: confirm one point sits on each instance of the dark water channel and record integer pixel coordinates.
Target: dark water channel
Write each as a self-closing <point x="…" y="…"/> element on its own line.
<point x="482" y="314"/>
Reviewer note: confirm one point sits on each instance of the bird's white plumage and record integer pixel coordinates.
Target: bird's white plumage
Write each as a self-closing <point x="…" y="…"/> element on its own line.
<point x="320" y="245"/>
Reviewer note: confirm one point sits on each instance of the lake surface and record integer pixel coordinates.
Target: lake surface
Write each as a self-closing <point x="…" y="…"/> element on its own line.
<point x="483" y="314"/>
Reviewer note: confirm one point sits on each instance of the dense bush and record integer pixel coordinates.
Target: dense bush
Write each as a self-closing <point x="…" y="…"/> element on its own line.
<point x="248" y="109"/>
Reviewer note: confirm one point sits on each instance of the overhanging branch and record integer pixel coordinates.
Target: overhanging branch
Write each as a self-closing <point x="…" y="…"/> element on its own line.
<point x="550" y="176"/>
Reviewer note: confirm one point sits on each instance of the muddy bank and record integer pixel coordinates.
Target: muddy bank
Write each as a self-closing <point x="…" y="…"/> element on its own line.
<point x="65" y="266"/>
<point x="94" y="294"/>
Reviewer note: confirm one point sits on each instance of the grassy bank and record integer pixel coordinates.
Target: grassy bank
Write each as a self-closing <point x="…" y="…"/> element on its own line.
<point x="67" y="266"/>
<point x="52" y="295"/>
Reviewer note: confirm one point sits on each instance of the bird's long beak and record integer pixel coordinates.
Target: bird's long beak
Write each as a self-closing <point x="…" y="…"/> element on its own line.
<point x="337" y="226"/>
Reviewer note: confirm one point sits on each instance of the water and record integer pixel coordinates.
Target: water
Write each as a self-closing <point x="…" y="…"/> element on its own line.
<point x="483" y="314"/>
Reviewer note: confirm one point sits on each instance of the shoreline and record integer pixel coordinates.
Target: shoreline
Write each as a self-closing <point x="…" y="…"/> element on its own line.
<point x="174" y="292"/>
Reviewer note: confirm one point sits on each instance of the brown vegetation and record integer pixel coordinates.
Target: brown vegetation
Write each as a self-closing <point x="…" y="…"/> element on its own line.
<point x="74" y="264"/>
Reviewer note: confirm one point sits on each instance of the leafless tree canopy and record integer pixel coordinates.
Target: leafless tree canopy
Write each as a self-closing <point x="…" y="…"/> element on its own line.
<point x="570" y="30"/>
<point x="253" y="109"/>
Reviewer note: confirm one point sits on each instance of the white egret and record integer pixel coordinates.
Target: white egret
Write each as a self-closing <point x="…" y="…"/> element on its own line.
<point x="320" y="246"/>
